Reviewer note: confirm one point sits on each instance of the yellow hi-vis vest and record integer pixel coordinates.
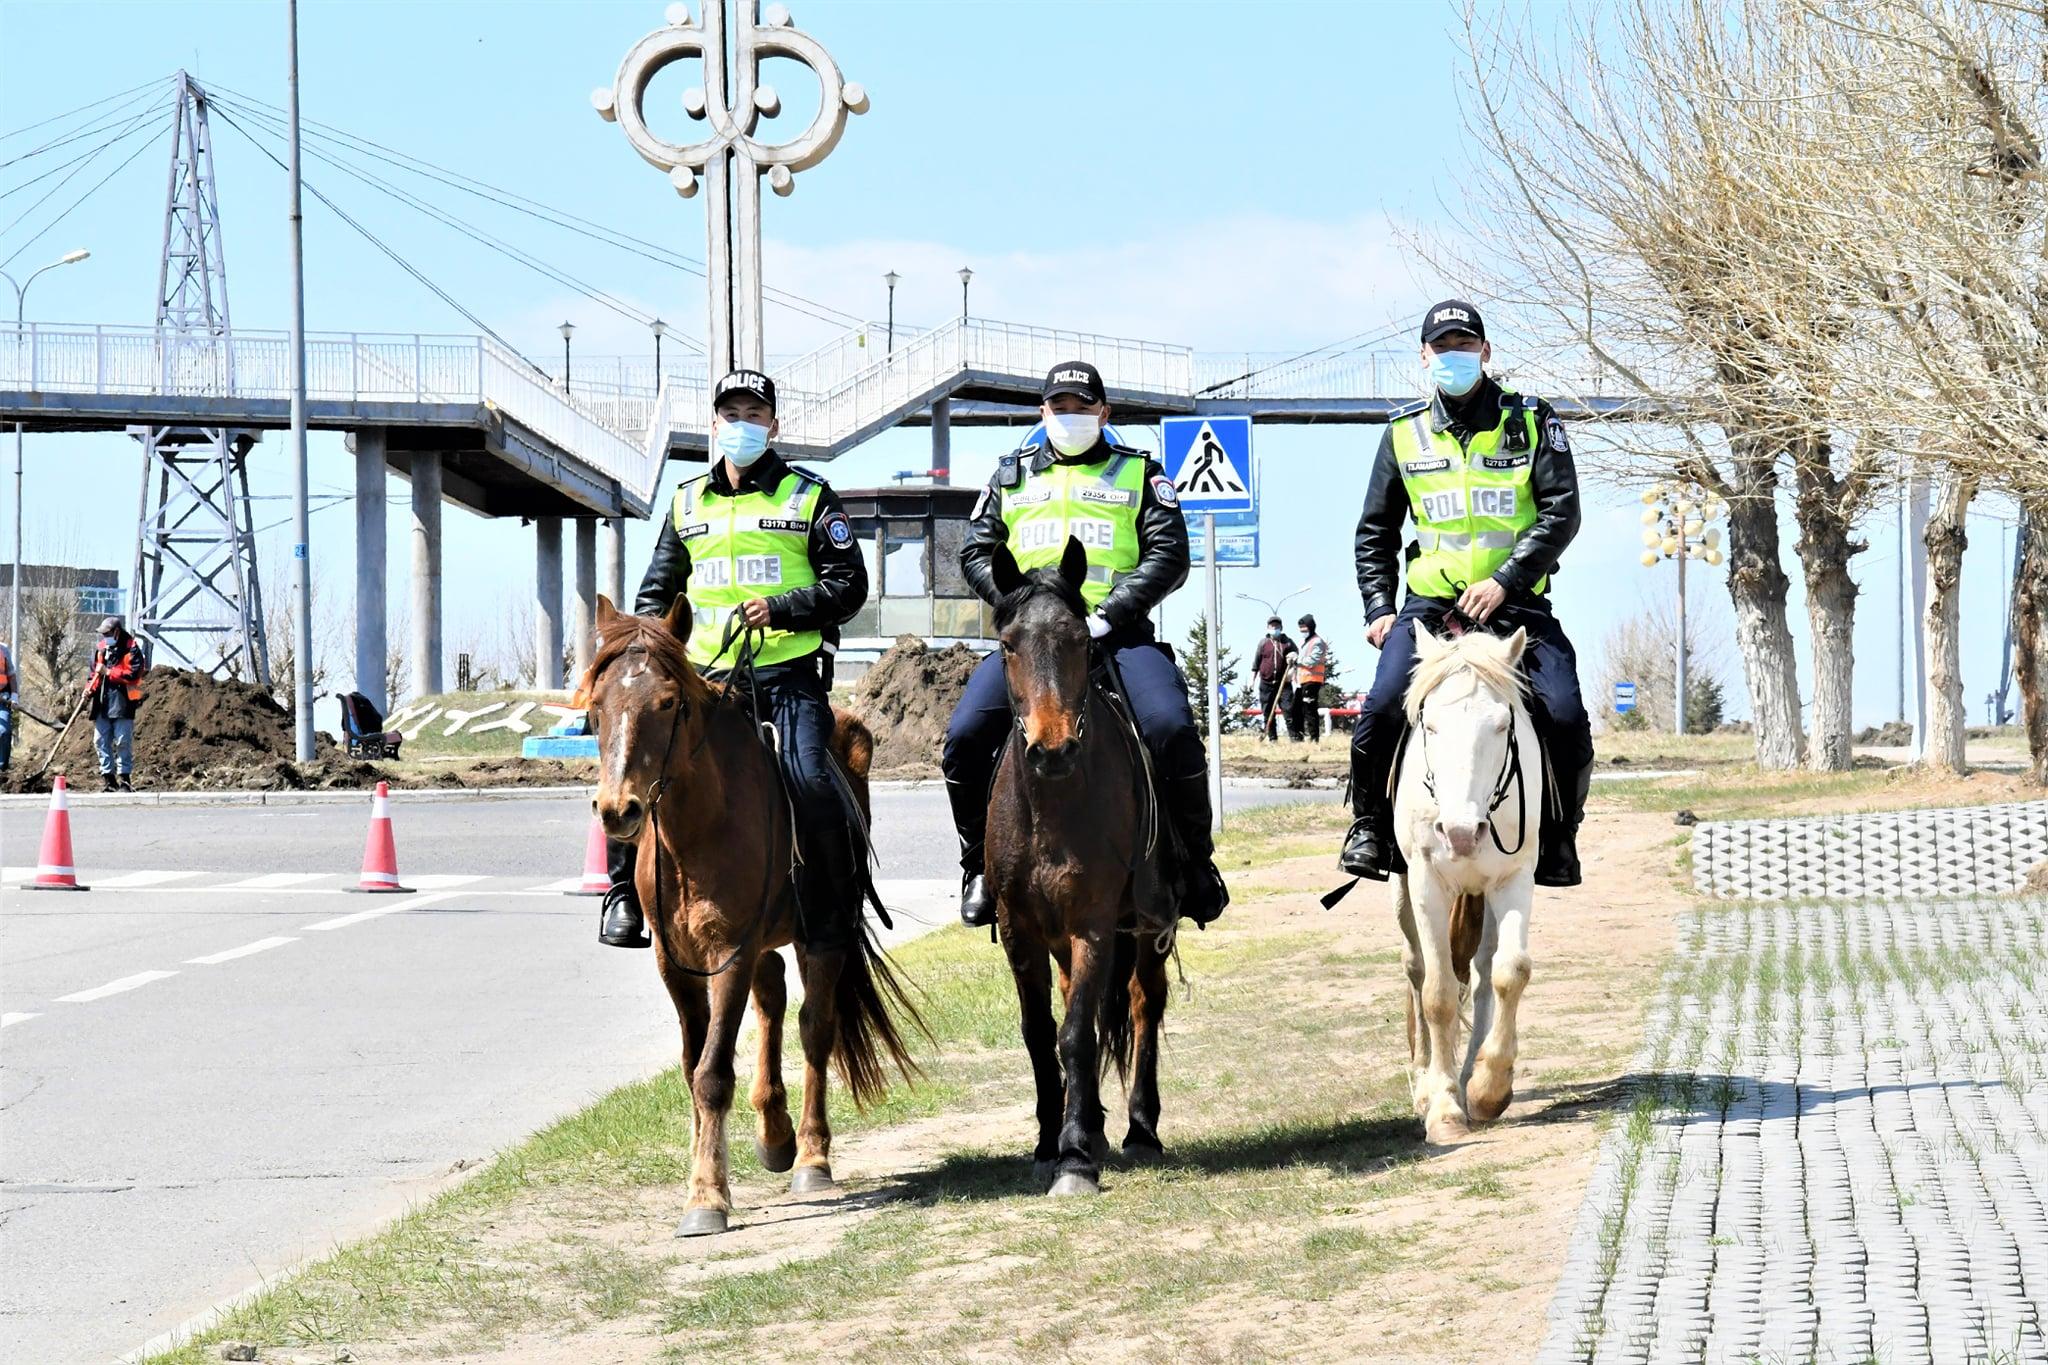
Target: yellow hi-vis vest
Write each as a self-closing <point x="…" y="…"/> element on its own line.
<point x="1097" y="504"/>
<point x="1472" y="503"/>
<point x="754" y="545"/>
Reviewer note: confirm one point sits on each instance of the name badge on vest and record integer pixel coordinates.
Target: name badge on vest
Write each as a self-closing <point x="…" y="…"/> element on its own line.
<point x="1504" y="461"/>
<point x="1436" y="466"/>
<point x="782" y="524"/>
<point x="693" y="530"/>
<point x="1028" y="496"/>
<point x="1111" y="495"/>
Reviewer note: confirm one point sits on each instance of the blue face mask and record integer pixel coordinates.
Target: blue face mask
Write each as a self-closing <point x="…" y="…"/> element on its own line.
<point x="741" y="442"/>
<point x="1455" y="373"/>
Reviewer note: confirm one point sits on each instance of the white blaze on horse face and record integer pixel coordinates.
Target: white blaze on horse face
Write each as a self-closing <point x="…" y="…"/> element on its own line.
<point x="619" y="739"/>
<point x="1468" y="744"/>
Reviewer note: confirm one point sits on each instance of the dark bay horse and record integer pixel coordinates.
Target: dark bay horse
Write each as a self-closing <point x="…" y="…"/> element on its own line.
<point x="1068" y="861"/>
<point x="684" y="772"/>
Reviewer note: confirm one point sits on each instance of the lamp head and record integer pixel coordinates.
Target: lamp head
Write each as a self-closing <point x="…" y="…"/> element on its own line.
<point x="891" y="278"/>
<point x="73" y="257"/>
<point x="566" y="329"/>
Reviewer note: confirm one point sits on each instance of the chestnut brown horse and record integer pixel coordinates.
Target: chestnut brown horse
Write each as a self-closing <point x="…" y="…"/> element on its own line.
<point x="685" y="773"/>
<point x="1071" y="867"/>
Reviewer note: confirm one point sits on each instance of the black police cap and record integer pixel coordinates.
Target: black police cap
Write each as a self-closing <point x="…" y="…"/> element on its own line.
<point x="1077" y="377"/>
<point x="746" y="381"/>
<point x="1452" y="315"/>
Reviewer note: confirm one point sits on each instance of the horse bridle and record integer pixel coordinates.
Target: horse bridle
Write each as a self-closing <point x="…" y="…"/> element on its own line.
<point x="1510" y="773"/>
<point x="750" y="639"/>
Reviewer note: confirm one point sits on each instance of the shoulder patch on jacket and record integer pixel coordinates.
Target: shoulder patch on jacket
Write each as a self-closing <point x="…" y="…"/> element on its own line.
<point x="1554" y="437"/>
<point x="1164" y="491"/>
<point x="839" y="530"/>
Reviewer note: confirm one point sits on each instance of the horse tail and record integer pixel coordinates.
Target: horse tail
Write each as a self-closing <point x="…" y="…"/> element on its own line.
<point x="1468" y="918"/>
<point x="866" y="1041"/>
<point x="1113" y="1017"/>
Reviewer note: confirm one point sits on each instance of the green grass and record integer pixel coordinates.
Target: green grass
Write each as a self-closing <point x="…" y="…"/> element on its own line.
<point x="431" y="743"/>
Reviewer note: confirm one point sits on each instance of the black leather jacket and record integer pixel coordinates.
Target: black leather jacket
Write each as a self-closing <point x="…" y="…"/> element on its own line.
<point x="842" y="585"/>
<point x="1377" y="549"/>
<point x="1162" y="535"/>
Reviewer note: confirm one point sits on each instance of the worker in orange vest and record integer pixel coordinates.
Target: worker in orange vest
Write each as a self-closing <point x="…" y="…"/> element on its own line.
<point x="1311" y="671"/>
<point x="114" y="693"/>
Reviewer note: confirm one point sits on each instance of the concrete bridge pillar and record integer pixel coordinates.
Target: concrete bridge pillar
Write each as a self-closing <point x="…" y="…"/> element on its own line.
<point x="615" y="562"/>
<point x="372" y="640"/>
<point x="547" y="602"/>
<point x="426" y="574"/>
<point x="585" y="607"/>
<point x="942" y="441"/>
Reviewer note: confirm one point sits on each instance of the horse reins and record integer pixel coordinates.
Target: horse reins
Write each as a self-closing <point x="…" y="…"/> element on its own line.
<point x="1510" y="773"/>
<point x="749" y="638"/>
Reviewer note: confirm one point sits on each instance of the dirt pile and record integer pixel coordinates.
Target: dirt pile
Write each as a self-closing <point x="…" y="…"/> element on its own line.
<point x="907" y="698"/>
<point x="196" y="733"/>
<point x="1892" y="733"/>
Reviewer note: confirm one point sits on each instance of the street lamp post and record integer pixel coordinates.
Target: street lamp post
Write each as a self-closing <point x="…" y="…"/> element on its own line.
<point x="1273" y="608"/>
<point x="14" y="586"/>
<point x="890" y="280"/>
<point x="660" y="330"/>
<point x="1675" y="526"/>
<point x="567" y="329"/>
<point x="965" y="276"/>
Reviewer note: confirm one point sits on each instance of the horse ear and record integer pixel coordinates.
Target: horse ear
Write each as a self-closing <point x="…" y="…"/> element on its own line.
<point x="1428" y="645"/>
<point x="1074" y="564"/>
<point x="680" y="618"/>
<point x="1003" y="566"/>
<point x="606" y="612"/>
<point x="1516" y="644"/>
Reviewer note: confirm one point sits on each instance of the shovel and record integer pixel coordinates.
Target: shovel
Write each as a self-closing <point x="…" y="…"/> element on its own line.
<point x="76" y="712"/>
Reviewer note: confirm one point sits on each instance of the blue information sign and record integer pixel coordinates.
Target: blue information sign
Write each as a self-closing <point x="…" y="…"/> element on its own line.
<point x="1624" y="696"/>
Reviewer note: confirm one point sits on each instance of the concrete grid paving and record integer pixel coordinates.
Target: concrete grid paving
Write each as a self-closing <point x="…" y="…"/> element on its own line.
<point x="1835" y="1147"/>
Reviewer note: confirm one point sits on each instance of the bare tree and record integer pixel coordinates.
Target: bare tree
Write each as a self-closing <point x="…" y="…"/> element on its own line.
<point x="1648" y="201"/>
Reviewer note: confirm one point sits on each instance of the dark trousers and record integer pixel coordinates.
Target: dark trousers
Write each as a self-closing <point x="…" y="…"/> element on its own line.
<point x="1159" y="701"/>
<point x="1304" y="720"/>
<point x="1557" y="710"/>
<point x="794" y="700"/>
<point x="1270" y="710"/>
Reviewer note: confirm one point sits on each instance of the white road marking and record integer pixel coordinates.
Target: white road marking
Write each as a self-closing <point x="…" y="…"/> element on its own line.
<point x="16" y="874"/>
<point x="9" y="1019"/>
<point x="126" y="983"/>
<point x="440" y="881"/>
<point x="136" y="879"/>
<point x="555" y="888"/>
<point x="391" y="907"/>
<point x="261" y="945"/>
<point x="270" y="881"/>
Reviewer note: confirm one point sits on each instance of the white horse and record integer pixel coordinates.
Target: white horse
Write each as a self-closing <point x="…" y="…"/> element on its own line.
<point x="1467" y="815"/>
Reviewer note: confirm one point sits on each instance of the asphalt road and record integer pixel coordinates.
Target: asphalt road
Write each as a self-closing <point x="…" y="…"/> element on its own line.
<point x="218" y="1063"/>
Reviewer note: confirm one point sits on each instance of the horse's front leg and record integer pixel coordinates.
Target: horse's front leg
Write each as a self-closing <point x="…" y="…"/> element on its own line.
<point x="775" y="1140"/>
<point x="1088" y="967"/>
<point x="711" y="1090"/>
<point x="1443" y="1115"/>
<point x="1480" y="975"/>
<point x="1031" y="968"/>
<point x="1148" y="1012"/>
<point x="817" y="1021"/>
<point x="1411" y="966"/>
<point x="1493" y="1073"/>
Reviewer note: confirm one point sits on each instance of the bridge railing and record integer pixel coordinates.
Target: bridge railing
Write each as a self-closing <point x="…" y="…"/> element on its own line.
<point x="340" y="367"/>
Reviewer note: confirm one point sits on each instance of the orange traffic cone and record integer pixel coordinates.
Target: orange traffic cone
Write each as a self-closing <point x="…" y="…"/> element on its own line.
<point x="597" y="869"/>
<point x="380" y="851"/>
<point x="54" y="870"/>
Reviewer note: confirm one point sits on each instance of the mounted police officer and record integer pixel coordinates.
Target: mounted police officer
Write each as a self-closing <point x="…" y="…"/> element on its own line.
<point x="1123" y="509"/>
<point x="771" y="541"/>
<point x="1487" y="475"/>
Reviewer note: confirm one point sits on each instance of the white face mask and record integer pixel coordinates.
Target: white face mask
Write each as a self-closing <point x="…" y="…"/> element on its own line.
<point x="1071" y="433"/>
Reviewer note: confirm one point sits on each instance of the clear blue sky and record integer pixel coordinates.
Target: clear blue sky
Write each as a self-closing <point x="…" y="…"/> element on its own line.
<point x="1169" y="172"/>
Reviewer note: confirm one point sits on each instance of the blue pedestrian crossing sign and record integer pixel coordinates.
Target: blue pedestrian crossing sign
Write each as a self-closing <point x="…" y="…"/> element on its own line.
<point x="1209" y="460"/>
<point x="1624" y="697"/>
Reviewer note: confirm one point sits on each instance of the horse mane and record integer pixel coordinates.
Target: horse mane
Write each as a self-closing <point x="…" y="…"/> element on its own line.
<point x="1484" y="656"/>
<point x="652" y="635"/>
<point x="1039" y="582"/>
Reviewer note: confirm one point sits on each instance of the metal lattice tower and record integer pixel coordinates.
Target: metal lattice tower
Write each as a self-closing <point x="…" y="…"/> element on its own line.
<point x="197" y="598"/>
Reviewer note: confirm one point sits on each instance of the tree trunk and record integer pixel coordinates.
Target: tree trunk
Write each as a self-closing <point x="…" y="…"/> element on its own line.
<point x="1757" y="586"/>
<point x="1824" y="549"/>
<point x="2030" y="633"/>
<point x="1947" y="538"/>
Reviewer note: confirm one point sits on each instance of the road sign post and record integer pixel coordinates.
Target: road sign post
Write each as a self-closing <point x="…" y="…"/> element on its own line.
<point x="1209" y="460"/>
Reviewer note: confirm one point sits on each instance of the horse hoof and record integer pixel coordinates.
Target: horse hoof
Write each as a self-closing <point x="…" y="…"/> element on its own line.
<point x="1446" y="1131"/>
<point x="1073" y="1183"/>
<point x="702" y="1223"/>
<point x="778" y="1158"/>
<point x="1042" y="1173"/>
<point x="811" y="1180"/>
<point x="1143" y="1153"/>
<point x="1485" y="1108"/>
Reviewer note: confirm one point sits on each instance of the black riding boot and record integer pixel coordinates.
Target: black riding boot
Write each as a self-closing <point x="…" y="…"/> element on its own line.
<point x="1557" y="856"/>
<point x="970" y="821"/>
<point x="619" y="922"/>
<point x="1187" y="801"/>
<point x="828" y="892"/>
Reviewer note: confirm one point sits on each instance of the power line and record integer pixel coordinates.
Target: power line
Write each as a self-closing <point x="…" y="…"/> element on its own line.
<point x="378" y="242"/>
<point x="86" y="155"/>
<point x="79" y="135"/>
<point x="533" y="208"/>
<point x="136" y="123"/>
<point x="140" y="148"/>
<point x="71" y="113"/>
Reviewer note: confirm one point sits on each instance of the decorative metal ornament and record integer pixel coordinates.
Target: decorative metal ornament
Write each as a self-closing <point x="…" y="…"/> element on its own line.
<point x="731" y="161"/>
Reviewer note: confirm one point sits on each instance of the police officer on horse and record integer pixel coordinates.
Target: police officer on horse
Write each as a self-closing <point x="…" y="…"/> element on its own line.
<point x="1487" y="475"/>
<point x="768" y="540"/>
<point x="1124" y="511"/>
